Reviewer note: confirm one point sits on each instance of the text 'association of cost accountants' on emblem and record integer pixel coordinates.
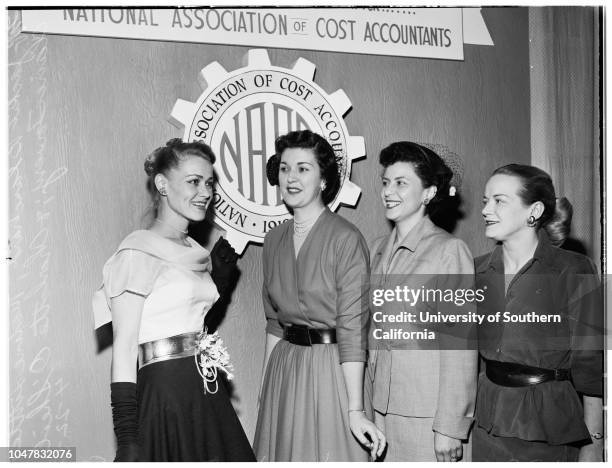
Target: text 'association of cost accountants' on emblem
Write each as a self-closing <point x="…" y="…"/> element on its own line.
<point x="240" y="114"/>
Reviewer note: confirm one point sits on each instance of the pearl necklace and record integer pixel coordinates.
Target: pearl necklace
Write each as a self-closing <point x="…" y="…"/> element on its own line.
<point x="301" y="229"/>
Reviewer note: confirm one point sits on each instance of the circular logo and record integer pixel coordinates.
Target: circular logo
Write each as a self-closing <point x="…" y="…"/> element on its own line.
<point x="239" y="115"/>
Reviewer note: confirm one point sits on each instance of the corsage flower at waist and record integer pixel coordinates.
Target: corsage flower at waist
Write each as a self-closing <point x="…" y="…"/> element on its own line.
<point x="211" y="355"/>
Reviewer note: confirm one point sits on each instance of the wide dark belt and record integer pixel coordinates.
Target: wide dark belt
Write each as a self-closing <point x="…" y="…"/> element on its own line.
<point x="304" y="336"/>
<point x="508" y="374"/>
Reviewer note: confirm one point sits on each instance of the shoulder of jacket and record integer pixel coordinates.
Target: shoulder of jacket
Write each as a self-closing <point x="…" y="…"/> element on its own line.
<point x="571" y="260"/>
<point x="446" y="240"/>
<point x="482" y="260"/>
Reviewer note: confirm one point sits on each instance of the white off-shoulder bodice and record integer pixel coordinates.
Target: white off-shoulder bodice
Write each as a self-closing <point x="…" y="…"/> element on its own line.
<point x="174" y="280"/>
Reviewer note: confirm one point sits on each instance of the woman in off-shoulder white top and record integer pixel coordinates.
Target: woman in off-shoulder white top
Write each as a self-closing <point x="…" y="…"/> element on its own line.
<point x="157" y="288"/>
<point x="174" y="281"/>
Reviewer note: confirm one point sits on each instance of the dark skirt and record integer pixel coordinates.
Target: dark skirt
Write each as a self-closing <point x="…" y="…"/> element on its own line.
<point x="179" y="422"/>
<point x="487" y="447"/>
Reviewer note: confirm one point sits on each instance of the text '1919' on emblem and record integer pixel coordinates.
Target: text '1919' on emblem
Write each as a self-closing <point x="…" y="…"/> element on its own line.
<point x="240" y="114"/>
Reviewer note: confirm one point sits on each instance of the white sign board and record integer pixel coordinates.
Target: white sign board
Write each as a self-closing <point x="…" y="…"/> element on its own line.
<point x="409" y="32"/>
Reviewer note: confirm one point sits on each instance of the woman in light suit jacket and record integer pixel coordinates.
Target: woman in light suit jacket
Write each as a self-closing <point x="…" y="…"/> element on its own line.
<point x="423" y="398"/>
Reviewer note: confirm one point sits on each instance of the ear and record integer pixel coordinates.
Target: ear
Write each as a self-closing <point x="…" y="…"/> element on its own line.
<point x="537" y="209"/>
<point x="431" y="192"/>
<point x="160" y="182"/>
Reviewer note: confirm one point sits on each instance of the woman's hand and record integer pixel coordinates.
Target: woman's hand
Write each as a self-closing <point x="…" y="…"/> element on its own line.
<point x="362" y="426"/>
<point x="591" y="452"/>
<point x="447" y="448"/>
<point x="224" y="272"/>
<point x="379" y="420"/>
<point x="593" y="418"/>
<point x="358" y="422"/>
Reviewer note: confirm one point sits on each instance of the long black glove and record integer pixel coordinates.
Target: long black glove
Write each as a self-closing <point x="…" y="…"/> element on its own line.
<point x="224" y="269"/>
<point x="125" y="419"/>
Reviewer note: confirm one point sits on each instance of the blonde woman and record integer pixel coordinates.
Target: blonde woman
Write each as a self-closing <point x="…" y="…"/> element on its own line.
<point x="158" y="287"/>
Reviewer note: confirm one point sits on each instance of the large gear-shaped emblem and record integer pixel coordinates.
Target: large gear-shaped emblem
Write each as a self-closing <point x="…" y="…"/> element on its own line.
<point x="240" y="114"/>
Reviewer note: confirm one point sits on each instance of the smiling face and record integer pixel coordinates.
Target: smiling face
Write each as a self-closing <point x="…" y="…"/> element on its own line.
<point x="403" y="193"/>
<point x="299" y="178"/>
<point x="504" y="212"/>
<point x="189" y="188"/>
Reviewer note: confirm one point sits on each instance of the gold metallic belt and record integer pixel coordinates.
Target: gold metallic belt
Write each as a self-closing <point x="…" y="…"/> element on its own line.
<point x="173" y="347"/>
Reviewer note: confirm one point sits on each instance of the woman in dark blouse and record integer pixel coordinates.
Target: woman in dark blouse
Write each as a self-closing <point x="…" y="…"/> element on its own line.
<point x="543" y="351"/>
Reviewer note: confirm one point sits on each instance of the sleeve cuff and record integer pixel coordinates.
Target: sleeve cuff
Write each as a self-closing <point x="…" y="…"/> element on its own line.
<point x="274" y="328"/>
<point x="352" y="356"/>
<point x="456" y="428"/>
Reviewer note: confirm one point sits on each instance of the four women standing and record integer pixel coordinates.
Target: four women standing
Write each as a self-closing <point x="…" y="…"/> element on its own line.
<point x="158" y="287"/>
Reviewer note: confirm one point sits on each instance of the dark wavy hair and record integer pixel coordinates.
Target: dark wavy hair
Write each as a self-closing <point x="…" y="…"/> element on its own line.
<point x="326" y="158"/>
<point x="537" y="186"/>
<point x="428" y="166"/>
<point x="164" y="158"/>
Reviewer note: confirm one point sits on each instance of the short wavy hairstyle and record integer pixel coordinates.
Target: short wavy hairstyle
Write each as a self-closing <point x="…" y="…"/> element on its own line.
<point x="167" y="157"/>
<point x="428" y="166"/>
<point x="329" y="163"/>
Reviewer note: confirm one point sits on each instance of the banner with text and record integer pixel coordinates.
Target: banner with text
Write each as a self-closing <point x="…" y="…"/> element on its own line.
<point x="409" y="32"/>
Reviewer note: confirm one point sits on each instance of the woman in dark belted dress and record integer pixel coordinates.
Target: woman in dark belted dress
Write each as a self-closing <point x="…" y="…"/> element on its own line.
<point x="539" y="393"/>
<point x="311" y="404"/>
